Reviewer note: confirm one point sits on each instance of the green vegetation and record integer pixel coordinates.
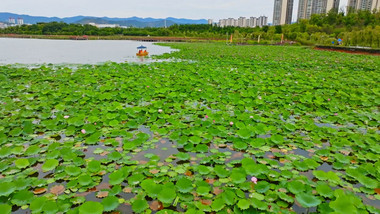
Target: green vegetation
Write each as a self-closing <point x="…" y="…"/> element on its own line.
<point x="361" y="28"/>
<point x="228" y="129"/>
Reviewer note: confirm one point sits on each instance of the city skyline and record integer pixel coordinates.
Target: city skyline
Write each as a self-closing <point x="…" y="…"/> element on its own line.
<point x="196" y="9"/>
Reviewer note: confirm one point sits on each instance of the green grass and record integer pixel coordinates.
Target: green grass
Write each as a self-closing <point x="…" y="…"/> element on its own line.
<point x="190" y="135"/>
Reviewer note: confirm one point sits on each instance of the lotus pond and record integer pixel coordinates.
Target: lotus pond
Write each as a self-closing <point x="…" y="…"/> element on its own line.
<point x="229" y="129"/>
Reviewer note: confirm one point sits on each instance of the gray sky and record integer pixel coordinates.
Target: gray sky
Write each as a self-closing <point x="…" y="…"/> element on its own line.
<point x="194" y="9"/>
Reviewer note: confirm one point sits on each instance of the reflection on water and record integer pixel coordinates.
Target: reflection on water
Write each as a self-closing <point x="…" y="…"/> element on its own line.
<point x="40" y="51"/>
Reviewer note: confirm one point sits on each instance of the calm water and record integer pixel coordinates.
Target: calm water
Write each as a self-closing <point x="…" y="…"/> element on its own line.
<point x="40" y="51"/>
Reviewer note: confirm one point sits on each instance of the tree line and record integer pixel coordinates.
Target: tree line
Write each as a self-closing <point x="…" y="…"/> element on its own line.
<point x="354" y="28"/>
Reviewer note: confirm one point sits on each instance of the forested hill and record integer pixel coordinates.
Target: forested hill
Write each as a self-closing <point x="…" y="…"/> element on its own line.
<point x="128" y="22"/>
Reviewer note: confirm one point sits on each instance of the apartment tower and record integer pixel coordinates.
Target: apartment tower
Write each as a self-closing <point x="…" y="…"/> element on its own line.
<point x="308" y="7"/>
<point x="364" y="4"/>
<point x="282" y="13"/>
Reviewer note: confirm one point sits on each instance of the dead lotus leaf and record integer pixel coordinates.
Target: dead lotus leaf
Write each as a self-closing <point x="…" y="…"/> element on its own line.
<point x="102" y="194"/>
<point x="104" y="153"/>
<point x="56" y="190"/>
<point x="127" y="190"/>
<point x="39" y="191"/>
<point x="377" y="190"/>
<point x="324" y="158"/>
<point x="217" y="190"/>
<point x="206" y="202"/>
<point x="210" y="180"/>
<point x="154" y="171"/>
<point x="156" y="205"/>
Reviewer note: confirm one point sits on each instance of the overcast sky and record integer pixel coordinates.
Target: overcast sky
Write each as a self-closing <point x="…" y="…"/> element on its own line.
<point x="192" y="9"/>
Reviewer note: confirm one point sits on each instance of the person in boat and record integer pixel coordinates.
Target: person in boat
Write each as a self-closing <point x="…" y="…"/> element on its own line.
<point x="144" y="51"/>
<point x="140" y="51"/>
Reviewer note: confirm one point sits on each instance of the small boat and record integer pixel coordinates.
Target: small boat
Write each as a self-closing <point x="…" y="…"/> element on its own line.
<point x="142" y="51"/>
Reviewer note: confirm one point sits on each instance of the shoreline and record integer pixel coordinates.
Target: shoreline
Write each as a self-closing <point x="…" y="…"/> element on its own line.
<point x="118" y="37"/>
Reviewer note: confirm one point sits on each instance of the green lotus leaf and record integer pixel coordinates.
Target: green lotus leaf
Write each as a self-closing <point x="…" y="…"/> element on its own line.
<point x="90" y="128"/>
<point x="167" y="194"/>
<point x="151" y="188"/>
<point x="368" y="182"/>
<point x="218" y="204"/>
<point x="324" y="190"/>
<point x="85" y="180"/>
<point x="203" y="148"/>
<point x="94" y="166"/>
<point x="277" y="139"/>
<point x="114" y="156"/>
<point x="184" y="185"/>
<point x="344" y="202"/>
<point x="32" y="150"/>
<point x="239" y="145"/>
<point x="307" y="200"/>
<point x="50" y="207"/>
<point x="244" y="133"/>
<point x="321" y="175"/>
<point x="183" y="156"/>
<point x="72" y="170"/>
<point x="110" y="203"/>
<point x="5" y="152"/>
<point x="116" y="177"/>
<point x="5" y="208"/>
<point x="37" y="204"/>
<point x="259" y="204"/>
<point x="221" y="172"/>
<point x="91" y="207"/>
<point x="140" y="205"/>
<point x="22" y="163"/>
<point x="243" y="204"/>
<point x="22" y="198"/>
<point x="135" y="179"/>
<point x="249" y="166"/>
<point x="203" y="189"/>
<point x="296" y="187"/>
<point x="195" y="139"/>
<point x="203" y="170"/>
<point x="49" y="164"/>
<point x="238" y="176"/>
<point x="229" y="197"/>
<point x="6" y="188"/>
<point x="262" y="186"/>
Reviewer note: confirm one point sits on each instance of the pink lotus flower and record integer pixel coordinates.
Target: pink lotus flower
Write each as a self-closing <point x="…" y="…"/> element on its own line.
<point x="95" y="124"/>
<point x="159" y="110"/>
<point x="83" y="131"/>
<point x="213" y="121"/>
<point x="251" y="117"/>
<point x="254" y="180"/>
<point x="231" y="123"/>
<point x="260" y="98"/>
<point x="336" y="114"/>
<point x="328" y="99"/>
<point x="206" y="116"/>
<point x="147" y="86"/>
<point x="66" y="116"/>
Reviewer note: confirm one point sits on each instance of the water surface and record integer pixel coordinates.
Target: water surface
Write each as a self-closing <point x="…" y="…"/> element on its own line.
<point x="41" y="51"/>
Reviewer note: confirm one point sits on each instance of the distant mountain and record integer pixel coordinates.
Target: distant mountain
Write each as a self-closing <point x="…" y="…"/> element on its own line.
<point x="131" y="21"/>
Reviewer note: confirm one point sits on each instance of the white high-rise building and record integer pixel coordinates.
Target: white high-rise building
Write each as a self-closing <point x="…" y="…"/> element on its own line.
<point x="210" y="21"/>
<point x="11" y="20"/>
<point x="20" y="21"/>
<point x="308" y="7"/>
<point x="364" y="4"/>
<point x="283" y="11"/>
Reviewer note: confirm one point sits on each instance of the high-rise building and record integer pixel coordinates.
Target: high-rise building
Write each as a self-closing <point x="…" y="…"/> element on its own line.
<point x="364" y="4"/>
<point x="20" y="21"/>
<point x="210" y="21"/>
<point x="308" y="7"/>
<point x="11" y="20"/>
<point x="282" y="13"/>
